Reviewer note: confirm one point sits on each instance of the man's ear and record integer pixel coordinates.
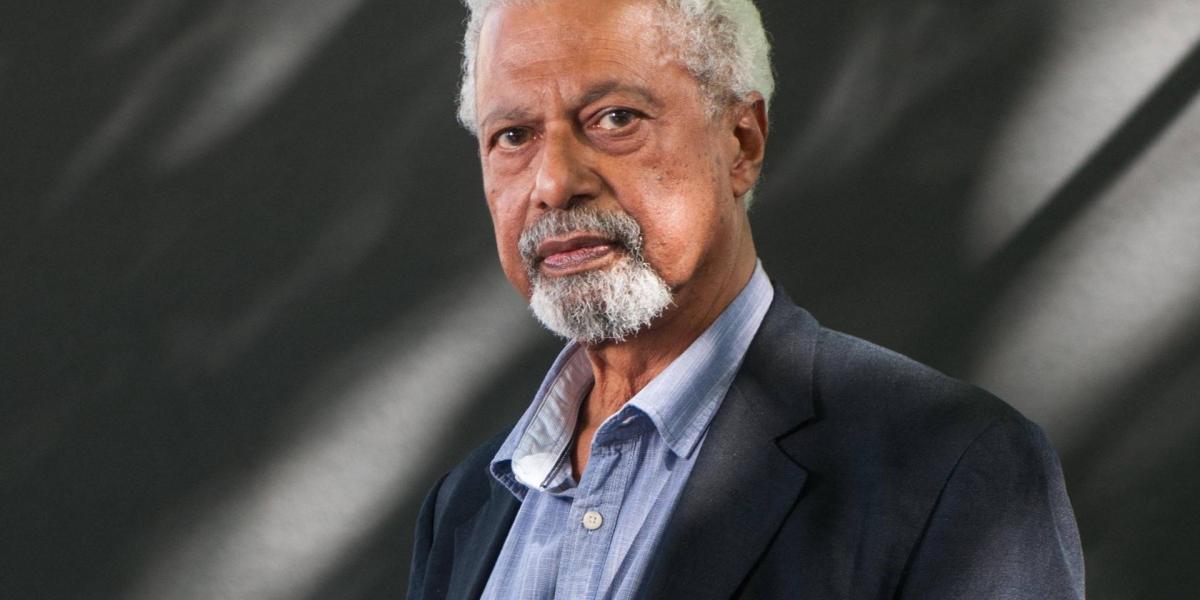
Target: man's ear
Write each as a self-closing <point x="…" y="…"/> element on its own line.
<point x="750" y="131"/>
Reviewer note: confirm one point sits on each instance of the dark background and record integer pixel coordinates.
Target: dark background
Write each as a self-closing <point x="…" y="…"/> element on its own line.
<point x="251" y="307"/>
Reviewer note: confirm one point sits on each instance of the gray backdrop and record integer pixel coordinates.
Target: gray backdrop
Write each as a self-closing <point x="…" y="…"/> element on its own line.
<point x="251" y="306"/>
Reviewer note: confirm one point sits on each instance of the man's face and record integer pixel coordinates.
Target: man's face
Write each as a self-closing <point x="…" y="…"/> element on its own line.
<point x="581" y="105"/>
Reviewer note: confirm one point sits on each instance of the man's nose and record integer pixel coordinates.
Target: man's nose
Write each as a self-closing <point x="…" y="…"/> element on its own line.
<point x="564" y="174"/>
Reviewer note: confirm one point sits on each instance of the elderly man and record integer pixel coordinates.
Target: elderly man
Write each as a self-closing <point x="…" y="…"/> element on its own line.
<point x="701" y="436"/>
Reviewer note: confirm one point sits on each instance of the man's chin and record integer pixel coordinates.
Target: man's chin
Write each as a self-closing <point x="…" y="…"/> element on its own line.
<point x="601" y="305"/>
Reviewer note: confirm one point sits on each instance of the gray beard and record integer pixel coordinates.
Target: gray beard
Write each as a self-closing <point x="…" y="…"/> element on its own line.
<point x="607" y="305"/>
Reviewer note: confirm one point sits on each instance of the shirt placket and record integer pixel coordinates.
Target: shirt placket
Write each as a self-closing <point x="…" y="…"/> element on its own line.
<point x="593" y="519"/>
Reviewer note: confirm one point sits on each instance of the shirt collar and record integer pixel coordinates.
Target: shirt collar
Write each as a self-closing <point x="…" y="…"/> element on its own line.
<point x="680" y="401"/>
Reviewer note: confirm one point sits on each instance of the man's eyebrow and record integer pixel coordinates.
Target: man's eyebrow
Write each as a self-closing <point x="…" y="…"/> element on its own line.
<point x="589" y="96"/>
<point x="605" y="88"/>
<point x="506" y="114"/>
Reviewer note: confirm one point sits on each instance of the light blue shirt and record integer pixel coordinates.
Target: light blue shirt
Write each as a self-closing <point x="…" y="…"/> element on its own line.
<point x="596" y="538"/>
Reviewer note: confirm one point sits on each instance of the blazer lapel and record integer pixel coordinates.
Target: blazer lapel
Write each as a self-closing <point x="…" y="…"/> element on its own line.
<point x="479" y="540"/>
<point x="743" y="485"/>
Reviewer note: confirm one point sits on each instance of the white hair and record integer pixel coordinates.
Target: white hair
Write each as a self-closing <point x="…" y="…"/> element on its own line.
<point x="722" y="43"/>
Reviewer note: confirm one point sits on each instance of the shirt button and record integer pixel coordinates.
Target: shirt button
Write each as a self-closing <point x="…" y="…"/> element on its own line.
<point x="592" y="520"/>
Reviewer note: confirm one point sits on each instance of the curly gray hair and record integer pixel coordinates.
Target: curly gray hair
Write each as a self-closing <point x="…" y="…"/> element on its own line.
<point x="722" y="44"/>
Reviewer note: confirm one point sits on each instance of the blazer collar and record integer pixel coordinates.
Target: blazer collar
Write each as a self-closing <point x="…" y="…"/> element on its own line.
<point x="744" y="482"/>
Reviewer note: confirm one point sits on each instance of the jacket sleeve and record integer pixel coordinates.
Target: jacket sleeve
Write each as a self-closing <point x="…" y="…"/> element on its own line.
<point x="423" y="542"/>
<point x="1002" y="526"/>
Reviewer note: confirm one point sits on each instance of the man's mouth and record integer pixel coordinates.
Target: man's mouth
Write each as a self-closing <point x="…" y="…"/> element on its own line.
<point x="574" y="253"/>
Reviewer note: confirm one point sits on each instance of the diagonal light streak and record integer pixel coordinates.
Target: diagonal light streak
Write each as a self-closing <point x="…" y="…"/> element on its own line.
<point x="1103" y="299"/>
<point x="262" y="46"/>
<point x="268" y="47"/>
<point x="1112" y="81"/>
<point x="284" y="526"/>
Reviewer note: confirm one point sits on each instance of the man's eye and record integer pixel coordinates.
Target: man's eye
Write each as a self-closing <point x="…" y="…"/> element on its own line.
<point x="616" y="119"/>
<point x="512" y="138"/>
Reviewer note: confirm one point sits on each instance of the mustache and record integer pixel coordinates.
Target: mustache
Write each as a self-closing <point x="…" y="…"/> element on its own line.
<point x="616" y="226"/>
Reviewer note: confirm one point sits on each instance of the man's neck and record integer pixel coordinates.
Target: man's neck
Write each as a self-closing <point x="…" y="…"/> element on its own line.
<point x="621" y="370"/>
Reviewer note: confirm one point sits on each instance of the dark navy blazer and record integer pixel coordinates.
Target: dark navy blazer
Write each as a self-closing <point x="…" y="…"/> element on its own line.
<point x="833" y="469"/>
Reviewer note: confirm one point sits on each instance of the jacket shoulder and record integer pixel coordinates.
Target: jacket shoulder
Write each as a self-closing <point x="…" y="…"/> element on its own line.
<point x="469" y="484"/>
<point x="898" y="401"/>
<point x="888" y="426"/>
<point x="920" y="476"/>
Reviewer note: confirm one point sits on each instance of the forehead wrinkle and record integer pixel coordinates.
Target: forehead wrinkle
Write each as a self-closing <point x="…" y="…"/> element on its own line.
<point x="523" y="52"/>
<point x="512" y="57"/>
<point x="625" y="79"/>
<point x="570" y="38"/>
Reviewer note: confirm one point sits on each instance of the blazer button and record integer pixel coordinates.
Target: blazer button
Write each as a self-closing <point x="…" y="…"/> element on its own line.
<point x="592" y="520"/>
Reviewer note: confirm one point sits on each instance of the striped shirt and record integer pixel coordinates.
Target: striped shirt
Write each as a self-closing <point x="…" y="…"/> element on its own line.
<point x="595" y="538"/>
